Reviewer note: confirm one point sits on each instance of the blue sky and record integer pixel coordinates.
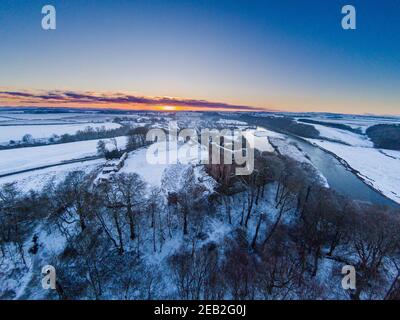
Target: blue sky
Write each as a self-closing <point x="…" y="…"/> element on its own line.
<point x="286" y="55"/>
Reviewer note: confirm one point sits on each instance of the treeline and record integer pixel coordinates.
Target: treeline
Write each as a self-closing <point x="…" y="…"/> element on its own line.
<point x="283" y="124"/>
<point x="136" y="138"/>
<point x="272" y="235"/>
<point x="92" y="134"/>
<point x="332" y="125"/>
<point x="385" y="136"/>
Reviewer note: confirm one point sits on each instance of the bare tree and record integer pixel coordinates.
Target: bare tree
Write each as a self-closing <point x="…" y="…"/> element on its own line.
<point x="74" y="199"/>
<point x="375" y="238"/>
<point x="131" y="190"/>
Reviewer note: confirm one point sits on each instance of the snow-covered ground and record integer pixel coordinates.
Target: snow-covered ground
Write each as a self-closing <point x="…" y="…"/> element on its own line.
<point x="15" y="160"/>
<point x="343" y="136"/>
<point x="231" y="122"/>
<point x="19" y="115"/>
<point x="143" y="161"/>
<point x="36" y="180"/>
<point x="374" y="166"/>
<point x="16" y="132"/>
<point x="20" y="118"/>
<point x="137" y="163"/>
<point x="259" y="139"/>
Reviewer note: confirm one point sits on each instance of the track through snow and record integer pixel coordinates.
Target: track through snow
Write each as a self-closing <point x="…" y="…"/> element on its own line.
<point x="16" y="160"/>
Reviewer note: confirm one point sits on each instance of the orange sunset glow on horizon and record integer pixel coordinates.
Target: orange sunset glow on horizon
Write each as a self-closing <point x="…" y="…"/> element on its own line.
<point x="11" y="97"/>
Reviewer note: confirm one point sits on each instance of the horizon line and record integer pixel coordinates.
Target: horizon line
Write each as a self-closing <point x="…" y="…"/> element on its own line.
<point x="105" y="109"/>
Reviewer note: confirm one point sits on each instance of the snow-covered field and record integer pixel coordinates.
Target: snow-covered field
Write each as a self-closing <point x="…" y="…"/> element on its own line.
<point x="15" y="160"/>
<point x="20" y="118"/>
<point x="36" y="180"/>
<point x="137" y="163"/>
<point x="231" y="122"/>
<point x="16" y="133"/>
<point x="344" y="136"/>
<point x="40" y="116"/>
<point x="88" y="116"/>
<point x="259" y="139"/>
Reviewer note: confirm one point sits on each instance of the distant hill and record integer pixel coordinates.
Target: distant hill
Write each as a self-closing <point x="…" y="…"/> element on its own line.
<point x="332" y="125"/>
<point x="385" y="136"/>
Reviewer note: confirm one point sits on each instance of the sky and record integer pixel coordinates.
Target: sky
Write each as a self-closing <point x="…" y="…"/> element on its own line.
<point x="231" y="55"/>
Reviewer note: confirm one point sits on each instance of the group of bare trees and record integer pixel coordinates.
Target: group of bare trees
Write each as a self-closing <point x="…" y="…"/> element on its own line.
<point x="132" y="219"/>
<point x="114" y="225"/>
<point x="196" y="274"/>
<point x="19" y="215"/>
<point x="137" y="138"/>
